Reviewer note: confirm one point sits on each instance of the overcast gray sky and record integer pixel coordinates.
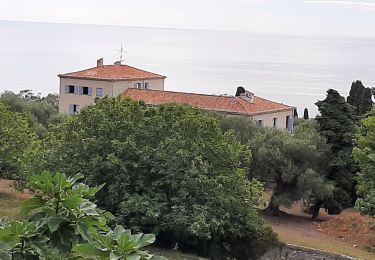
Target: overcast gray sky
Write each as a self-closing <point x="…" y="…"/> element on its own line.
<point x="301" y="17"/>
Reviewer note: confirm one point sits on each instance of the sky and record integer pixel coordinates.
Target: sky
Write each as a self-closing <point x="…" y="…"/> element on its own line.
<point x="344" y="18"/>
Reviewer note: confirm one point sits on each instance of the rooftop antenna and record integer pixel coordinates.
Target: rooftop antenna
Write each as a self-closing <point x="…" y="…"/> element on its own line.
<point x="121" y="51"/>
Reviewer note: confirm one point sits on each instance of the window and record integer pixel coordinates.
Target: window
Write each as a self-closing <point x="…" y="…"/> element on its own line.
<point x="99" y="92"/>
<point x="70" y="89"/>
<point x="85" y="90"/>
<point x="274" y="122"/>
<point x="73" y="108"/>
<point x="259" y="122"/>
<point x="147" y="85"/>
<point x="138" y="85"/>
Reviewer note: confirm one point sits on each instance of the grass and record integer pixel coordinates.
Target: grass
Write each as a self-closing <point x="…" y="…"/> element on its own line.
<point x="334" y="247"/>
<point x="10" y="206"/>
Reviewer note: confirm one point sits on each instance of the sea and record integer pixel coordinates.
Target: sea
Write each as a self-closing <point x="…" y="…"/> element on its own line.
<point x="293" y="70"/>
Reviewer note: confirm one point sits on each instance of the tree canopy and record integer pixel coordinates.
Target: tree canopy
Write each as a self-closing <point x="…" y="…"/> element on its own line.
<point x="169" y="170"/>
<point x="40" y="110"/>
<point x="360" y="98"/>
<point x="15" y="139"/>
<point x="364" y="153"/>
<point x="292" y="165"/>
<point x="337" y="123"/>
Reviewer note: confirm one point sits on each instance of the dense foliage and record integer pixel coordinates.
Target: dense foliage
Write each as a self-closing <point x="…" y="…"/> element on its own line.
<point x="292" y="165"/>
<point x="169" y="170"/>
<point x="40" y="110"/>
<point x="360" y="98"/>
<point x="64" y="224"/>
<point x="337" y="123"/>
<point x="364" y="153"/>
<point x="15" y="139"/>
<point x="242" y="126"/>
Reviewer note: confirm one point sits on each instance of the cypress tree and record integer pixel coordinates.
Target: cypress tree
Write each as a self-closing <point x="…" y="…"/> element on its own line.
<point x="295" y="114"/>
<point x="360" y="98"/>
<point x="337" y="121"/>
<point x="306" y="114"/>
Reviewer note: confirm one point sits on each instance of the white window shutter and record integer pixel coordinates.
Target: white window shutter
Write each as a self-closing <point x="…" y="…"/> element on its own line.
<point x="66" y="89"/>
<point x="71" y="108"/>
<point x="80" y="90"/>
<point x="90" y="91"/>
<point x="76" y="90"/>
<point x="290" y="124"/>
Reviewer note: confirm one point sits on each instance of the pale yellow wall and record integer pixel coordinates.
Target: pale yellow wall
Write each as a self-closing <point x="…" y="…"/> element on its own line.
<point x="112" y="89"/>
<point x="81" y="100"/>
<point x="268" y="118"/>
<point x="121" y="86"/>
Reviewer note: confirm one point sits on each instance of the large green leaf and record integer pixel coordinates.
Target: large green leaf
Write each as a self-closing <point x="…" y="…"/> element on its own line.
<point x="42" y="182"/>
<point x="125" y="244"/>
<point x="146" y="240"/>
<point x="61" y="182"/>
<point x="73" y="179"/>
<point x="133" y="257"/>
<point x="83" y="230"/>
<point x="32" y="203"/>
<point x="89" y="251"/>
<point x="54" y="223"/>
<point x="73" y="201"/>
<point x="88" y="208"/>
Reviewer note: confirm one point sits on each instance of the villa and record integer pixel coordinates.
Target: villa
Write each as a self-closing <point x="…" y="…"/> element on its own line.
<point x="79" y="89"/>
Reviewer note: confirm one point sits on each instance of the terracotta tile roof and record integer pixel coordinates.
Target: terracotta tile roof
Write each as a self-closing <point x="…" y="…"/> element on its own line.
<point x="228" y="104"/>
<point x="112" y="73"/>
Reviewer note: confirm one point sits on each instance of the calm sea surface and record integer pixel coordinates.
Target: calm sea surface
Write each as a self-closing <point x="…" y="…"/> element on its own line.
<point x="293" y="70"/>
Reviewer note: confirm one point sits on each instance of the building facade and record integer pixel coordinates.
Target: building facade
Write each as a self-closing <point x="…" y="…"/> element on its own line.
<point x="79" y="89"/>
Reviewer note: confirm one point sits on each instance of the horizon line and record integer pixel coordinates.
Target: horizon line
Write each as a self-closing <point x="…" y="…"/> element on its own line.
<point x="195" y="29"/>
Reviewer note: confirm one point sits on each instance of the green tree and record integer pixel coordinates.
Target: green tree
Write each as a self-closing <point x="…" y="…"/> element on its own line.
<point x="15" y="139"/>
<point x="291" y="165"/>
<point x="337" y="124"/>
<point x="40" y="110"/>
<point x="295" y="114"/>
<point x="64" y="224"/>
<point x="243" y="127"/>
<point x="169" y="170"/>
<point x="305" y="114"/>
<point x="364" y="153"/>
<point x="360" y="98"/>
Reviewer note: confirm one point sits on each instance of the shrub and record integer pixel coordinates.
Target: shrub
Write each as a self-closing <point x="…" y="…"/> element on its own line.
<point x="64" y="224"/>
<point x="169" y="170"/>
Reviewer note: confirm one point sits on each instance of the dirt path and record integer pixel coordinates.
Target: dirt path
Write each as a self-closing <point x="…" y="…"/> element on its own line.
<point x="296" y="227"/>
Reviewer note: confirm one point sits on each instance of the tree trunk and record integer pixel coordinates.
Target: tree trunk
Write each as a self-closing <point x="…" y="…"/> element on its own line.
<point x="272" y="208"/>
<point x="315" y="209"/>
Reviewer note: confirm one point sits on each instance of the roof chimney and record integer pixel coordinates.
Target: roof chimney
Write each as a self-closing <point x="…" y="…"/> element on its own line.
<point x="100" y="63"/>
